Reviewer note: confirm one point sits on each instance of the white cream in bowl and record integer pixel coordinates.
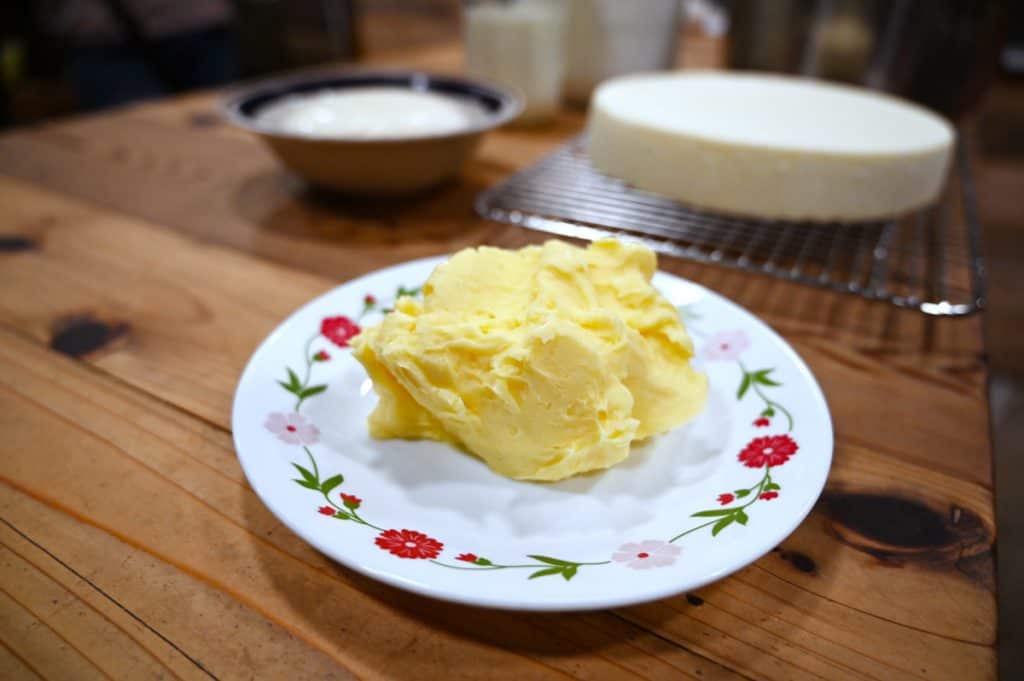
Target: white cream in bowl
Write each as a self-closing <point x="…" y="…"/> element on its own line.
<point x="370" y="113"/>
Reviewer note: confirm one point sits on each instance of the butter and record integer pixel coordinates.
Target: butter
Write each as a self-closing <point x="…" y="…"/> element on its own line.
<point x="544" y="362"/>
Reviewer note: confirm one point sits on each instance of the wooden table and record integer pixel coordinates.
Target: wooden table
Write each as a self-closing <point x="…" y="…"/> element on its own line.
<point x="145" y="253"/>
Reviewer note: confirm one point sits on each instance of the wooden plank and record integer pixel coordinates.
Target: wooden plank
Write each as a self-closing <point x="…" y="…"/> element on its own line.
<point x="185" y="326"/>
<point x="183" y="178"/>
<point x="15" y="668"/>
<point x="190" y="472"/>
<point x="216" y="635"/>
<point x="40" y="648"/>
<point x="107" y="636"/>
<point x="159" y="524"/>
<point x="147" y="314"/>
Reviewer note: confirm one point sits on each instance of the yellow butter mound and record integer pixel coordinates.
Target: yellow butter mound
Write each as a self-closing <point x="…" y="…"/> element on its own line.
<point x="544" y="362"/>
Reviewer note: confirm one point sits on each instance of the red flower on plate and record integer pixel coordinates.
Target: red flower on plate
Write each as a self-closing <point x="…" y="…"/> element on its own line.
<point x="762" y="422"/>
<point x="321" y="356"/>
<point x="351" y="501"/>
<point x="339" y="330"/>
<point x="467" y="557"/>
<point x="326" y="510"/>
<point x="369" y="299"/>
<point x="726" y="498"/>
<point x="409" y="544"/>
<point x="768" y="496"/>
<point x="771" y="450"/>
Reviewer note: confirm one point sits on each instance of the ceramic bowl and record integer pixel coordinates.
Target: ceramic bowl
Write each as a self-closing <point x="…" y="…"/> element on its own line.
<point x="373" y="167"/>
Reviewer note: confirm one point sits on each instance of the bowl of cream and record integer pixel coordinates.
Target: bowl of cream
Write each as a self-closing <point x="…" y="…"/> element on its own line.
<point x="372" y="133"/>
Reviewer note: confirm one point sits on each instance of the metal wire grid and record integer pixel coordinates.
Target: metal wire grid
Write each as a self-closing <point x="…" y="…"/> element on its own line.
<point x="928" y="261"/>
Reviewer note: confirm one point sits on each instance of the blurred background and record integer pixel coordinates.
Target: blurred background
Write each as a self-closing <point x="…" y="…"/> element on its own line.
<point x="62" y="56"/>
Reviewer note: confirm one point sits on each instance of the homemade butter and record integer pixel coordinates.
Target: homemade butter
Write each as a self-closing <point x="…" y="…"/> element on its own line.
<point x="544" y="362"/>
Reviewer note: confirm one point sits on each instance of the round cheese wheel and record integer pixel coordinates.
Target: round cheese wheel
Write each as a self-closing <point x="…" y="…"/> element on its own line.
<point x="769" y="146"/>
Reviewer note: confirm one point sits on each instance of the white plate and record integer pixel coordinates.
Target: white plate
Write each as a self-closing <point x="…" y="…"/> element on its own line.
<point x="685" y="509"/>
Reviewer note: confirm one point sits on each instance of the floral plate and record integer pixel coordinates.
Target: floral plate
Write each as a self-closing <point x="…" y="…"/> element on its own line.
<point x="685" y="509"/>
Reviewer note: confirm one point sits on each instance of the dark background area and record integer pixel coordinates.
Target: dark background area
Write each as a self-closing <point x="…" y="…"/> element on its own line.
<point x="37" y="78"/>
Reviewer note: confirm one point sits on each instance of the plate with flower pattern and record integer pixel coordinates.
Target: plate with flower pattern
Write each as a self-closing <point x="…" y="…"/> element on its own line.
<point x="686" y="508"/>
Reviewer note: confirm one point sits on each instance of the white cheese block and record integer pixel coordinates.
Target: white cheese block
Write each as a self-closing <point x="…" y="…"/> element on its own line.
<point x="769" y="146"/>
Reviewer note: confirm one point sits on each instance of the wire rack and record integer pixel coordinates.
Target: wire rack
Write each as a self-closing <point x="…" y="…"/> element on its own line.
<point x="928" y="261"/>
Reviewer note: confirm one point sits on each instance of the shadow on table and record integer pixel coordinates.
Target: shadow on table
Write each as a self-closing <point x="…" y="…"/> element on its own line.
<point x="282" y="203"/>
<point x="326" y="604"/>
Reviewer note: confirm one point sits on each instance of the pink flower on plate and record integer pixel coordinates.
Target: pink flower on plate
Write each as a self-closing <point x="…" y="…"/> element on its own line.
<point x="295" y="429"/>
<point x="726" y="345"/>
<point x="650" y="553"/>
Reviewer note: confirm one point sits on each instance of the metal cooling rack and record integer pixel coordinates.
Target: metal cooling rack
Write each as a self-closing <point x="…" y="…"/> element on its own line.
<point x="928" y="261"/>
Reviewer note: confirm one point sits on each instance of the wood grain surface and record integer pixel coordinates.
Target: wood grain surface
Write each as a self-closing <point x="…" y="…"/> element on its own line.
<point x="144" y="254"/>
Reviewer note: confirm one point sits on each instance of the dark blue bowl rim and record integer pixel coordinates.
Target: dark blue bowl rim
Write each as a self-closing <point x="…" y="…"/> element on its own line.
<point x="500" y="105"/>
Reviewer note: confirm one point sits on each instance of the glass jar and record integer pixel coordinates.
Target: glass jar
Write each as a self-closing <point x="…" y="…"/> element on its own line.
<point x="608" y="38"/>
<point x="519" y="44"/>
